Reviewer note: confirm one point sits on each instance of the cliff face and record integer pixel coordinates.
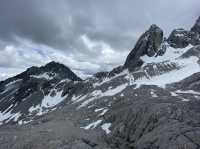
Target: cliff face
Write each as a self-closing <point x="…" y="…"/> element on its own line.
<point x="148" y="44"/>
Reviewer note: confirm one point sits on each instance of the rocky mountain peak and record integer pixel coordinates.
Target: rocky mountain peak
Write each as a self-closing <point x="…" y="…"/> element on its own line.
<point x="61" y="69"/>
<point x="148" y="44"/>
<point x="52" y="69"/>
<point x="181" y="38"/>
<point x="51" y="72"/>
<point x="196" y="27"/>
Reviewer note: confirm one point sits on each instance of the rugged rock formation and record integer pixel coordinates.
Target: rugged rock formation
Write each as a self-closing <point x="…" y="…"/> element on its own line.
<point x="180" y="38"/>
<point x="101" y="75"/>
<point x="196" y="27"/>
<point x="148" y="44"/>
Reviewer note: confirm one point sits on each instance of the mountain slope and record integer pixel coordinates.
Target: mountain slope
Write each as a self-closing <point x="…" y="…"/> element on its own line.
<point x="33" y="92"/>
<point x="152" y="101"/>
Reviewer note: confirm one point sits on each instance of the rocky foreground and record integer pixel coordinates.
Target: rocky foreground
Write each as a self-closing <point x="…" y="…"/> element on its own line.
<point x="150" y="102"/>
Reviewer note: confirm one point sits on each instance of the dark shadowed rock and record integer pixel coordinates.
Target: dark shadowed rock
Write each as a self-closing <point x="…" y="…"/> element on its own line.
<point x="179" y="38"/>
<point x="101" y="75"/>
<point x="190" y="83"/>
<point x="148" y="44"/>
<point x="115" y="71"/>
<point x="196" y="27"/>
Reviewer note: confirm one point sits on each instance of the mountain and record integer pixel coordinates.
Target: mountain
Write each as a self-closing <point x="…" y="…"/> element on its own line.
<point x="150" y="102"/>
<point x="36" y="89"/>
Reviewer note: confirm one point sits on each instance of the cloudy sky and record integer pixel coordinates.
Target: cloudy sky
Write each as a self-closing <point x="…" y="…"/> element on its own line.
<point x="86" y="35"/>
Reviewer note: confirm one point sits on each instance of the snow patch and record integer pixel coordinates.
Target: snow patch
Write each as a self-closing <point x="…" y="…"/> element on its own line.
<point x="106" y="80"/>
<point x="173" y="94"/>
<point x="8" y="116"/>
<point x="51" y="101"/>
<point x="115" y="91"/>
<point x="188" y="92"/>
<point x="153" y="94"/>
<point x="185" y="100"/>
<point x="188" y="67"/>
<point x="92" y="125"/>
<point x="97" y="110"/>
<point x="43" y="76"/>
<point x="103" y="112"/>
<point x="106" y="127"/>
<point x="47" y="102"/>
<point x="98" y="94"/>
<point x="170" y="55"/>
<point x="121" y="95"/>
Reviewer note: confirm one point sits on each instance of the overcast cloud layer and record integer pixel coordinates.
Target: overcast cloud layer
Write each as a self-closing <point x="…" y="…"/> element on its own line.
<point x="86" y="35"/>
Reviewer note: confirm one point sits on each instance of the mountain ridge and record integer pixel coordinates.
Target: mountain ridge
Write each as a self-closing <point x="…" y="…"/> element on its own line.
<point x="152" y="101"/>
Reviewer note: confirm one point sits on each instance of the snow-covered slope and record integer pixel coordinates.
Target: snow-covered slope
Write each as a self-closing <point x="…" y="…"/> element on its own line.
<point x="33" y="93"/>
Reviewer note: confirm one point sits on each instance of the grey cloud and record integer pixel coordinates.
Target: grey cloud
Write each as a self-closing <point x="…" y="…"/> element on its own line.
<point x="61" y="24"/>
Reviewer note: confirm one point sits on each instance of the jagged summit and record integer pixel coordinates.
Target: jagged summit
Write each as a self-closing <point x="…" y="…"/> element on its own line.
<point x="196" y="27"/>
<point x="61" y="69"/>
<point x="152" y="43"/>
<point x="38" y="89"/>
<point x="52" y="70"/>
<point x="148" y="44"/>
<point x="181" y="38"/>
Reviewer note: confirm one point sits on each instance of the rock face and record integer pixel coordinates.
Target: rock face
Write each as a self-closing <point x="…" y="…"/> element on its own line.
<point x="196" y="27"/>
<point x="148" y="44"/>
<point x="180" y="38"/>
<point x="150" y="123"/>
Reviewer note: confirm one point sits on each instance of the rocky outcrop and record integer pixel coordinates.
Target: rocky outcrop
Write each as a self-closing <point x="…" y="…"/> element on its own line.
<point x="115" y="71"/>
<point x="101" y="75"/>
<point x="148" y="44"/>
<point x="180" y="38"/>
<point x="196" y="27"/>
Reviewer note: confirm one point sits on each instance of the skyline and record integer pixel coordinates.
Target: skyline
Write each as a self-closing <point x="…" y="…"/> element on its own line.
<point x="87" y="37"/>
